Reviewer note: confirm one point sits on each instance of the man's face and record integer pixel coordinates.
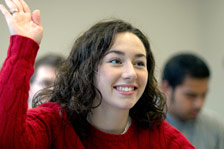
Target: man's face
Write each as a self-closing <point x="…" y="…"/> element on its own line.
<point x="187" y="99"/>
<point x="45" y="77"/>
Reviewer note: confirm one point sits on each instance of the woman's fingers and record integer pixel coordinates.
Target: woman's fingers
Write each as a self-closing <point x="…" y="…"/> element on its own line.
<point x="21" y="21"/>
<point x="26" y="8"/>
<point x="18" y="4"/>
<point x="12" y="7"/>
<point x="5" y="12"/>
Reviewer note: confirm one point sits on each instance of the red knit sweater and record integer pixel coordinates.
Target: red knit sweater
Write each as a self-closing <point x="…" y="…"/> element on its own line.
<point x="47" y="126"/>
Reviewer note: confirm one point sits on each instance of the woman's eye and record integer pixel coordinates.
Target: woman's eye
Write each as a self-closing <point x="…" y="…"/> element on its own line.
<point x="140" y="64"/>
<point x="115" y="61"/>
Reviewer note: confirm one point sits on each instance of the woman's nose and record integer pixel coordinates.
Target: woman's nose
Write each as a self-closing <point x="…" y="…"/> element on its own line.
<point x="129" y="72"/>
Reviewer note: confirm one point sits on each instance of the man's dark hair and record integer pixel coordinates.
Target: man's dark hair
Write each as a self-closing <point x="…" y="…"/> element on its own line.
<point x="184" y="65"/>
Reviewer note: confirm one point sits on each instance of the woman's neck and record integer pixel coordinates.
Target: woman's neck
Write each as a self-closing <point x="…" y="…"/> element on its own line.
<point x="113" y="122"/>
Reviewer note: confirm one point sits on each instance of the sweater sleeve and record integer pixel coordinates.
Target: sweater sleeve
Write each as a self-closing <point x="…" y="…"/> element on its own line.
<point x="43" y="127"/>
<point x="14" y="86"/>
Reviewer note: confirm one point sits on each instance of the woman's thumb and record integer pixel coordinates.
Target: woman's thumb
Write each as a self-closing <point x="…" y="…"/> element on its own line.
<point x="36" y="17"/>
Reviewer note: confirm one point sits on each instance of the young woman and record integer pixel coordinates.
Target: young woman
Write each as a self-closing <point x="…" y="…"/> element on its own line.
<point x="105" y="95"/>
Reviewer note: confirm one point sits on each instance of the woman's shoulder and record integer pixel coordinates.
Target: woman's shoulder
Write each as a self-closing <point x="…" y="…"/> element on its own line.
<point x="49" y="120"/>
<point x="172" y="136"/>
<point x="47" y="111"/>
<point x="162" y="135"/>
<point x="47" y="107"/>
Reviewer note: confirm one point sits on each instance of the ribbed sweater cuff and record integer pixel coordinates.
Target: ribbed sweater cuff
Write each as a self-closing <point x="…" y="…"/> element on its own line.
<point x="27" y="49"/>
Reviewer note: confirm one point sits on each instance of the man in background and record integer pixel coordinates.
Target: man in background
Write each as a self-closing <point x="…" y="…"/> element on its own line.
<point x="45" y="71"/>
<point x="185" y="82"/>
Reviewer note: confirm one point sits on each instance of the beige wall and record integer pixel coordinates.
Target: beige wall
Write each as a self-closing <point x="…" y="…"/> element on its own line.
<point x="172" y="26"/>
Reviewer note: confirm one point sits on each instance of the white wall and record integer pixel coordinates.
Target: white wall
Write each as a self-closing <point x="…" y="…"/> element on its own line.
<point x="172" y="26"/>
<point x="212" y="48"/>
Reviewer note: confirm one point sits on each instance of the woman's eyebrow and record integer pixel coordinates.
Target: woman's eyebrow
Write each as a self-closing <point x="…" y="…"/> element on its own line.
<point x="116" y="52"/>
<point x="122" y="53"/>
<point x="140" y="55"/>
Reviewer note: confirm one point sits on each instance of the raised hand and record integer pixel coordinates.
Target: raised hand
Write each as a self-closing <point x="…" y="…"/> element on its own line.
<point x="20" y="20"/>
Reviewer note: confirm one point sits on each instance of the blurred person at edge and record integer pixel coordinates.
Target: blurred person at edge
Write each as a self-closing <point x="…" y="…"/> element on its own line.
<point x="45" y="71"/>
<point x="185" y="81"/>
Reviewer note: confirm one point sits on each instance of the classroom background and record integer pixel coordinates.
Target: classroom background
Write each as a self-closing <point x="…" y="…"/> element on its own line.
<point x="171" y="26"/>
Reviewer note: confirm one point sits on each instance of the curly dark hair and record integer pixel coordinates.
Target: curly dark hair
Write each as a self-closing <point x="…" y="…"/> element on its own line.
<point x="75" y="90"/>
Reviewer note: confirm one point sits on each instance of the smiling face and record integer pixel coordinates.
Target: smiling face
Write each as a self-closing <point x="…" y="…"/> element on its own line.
<point x="122" y="75"/>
